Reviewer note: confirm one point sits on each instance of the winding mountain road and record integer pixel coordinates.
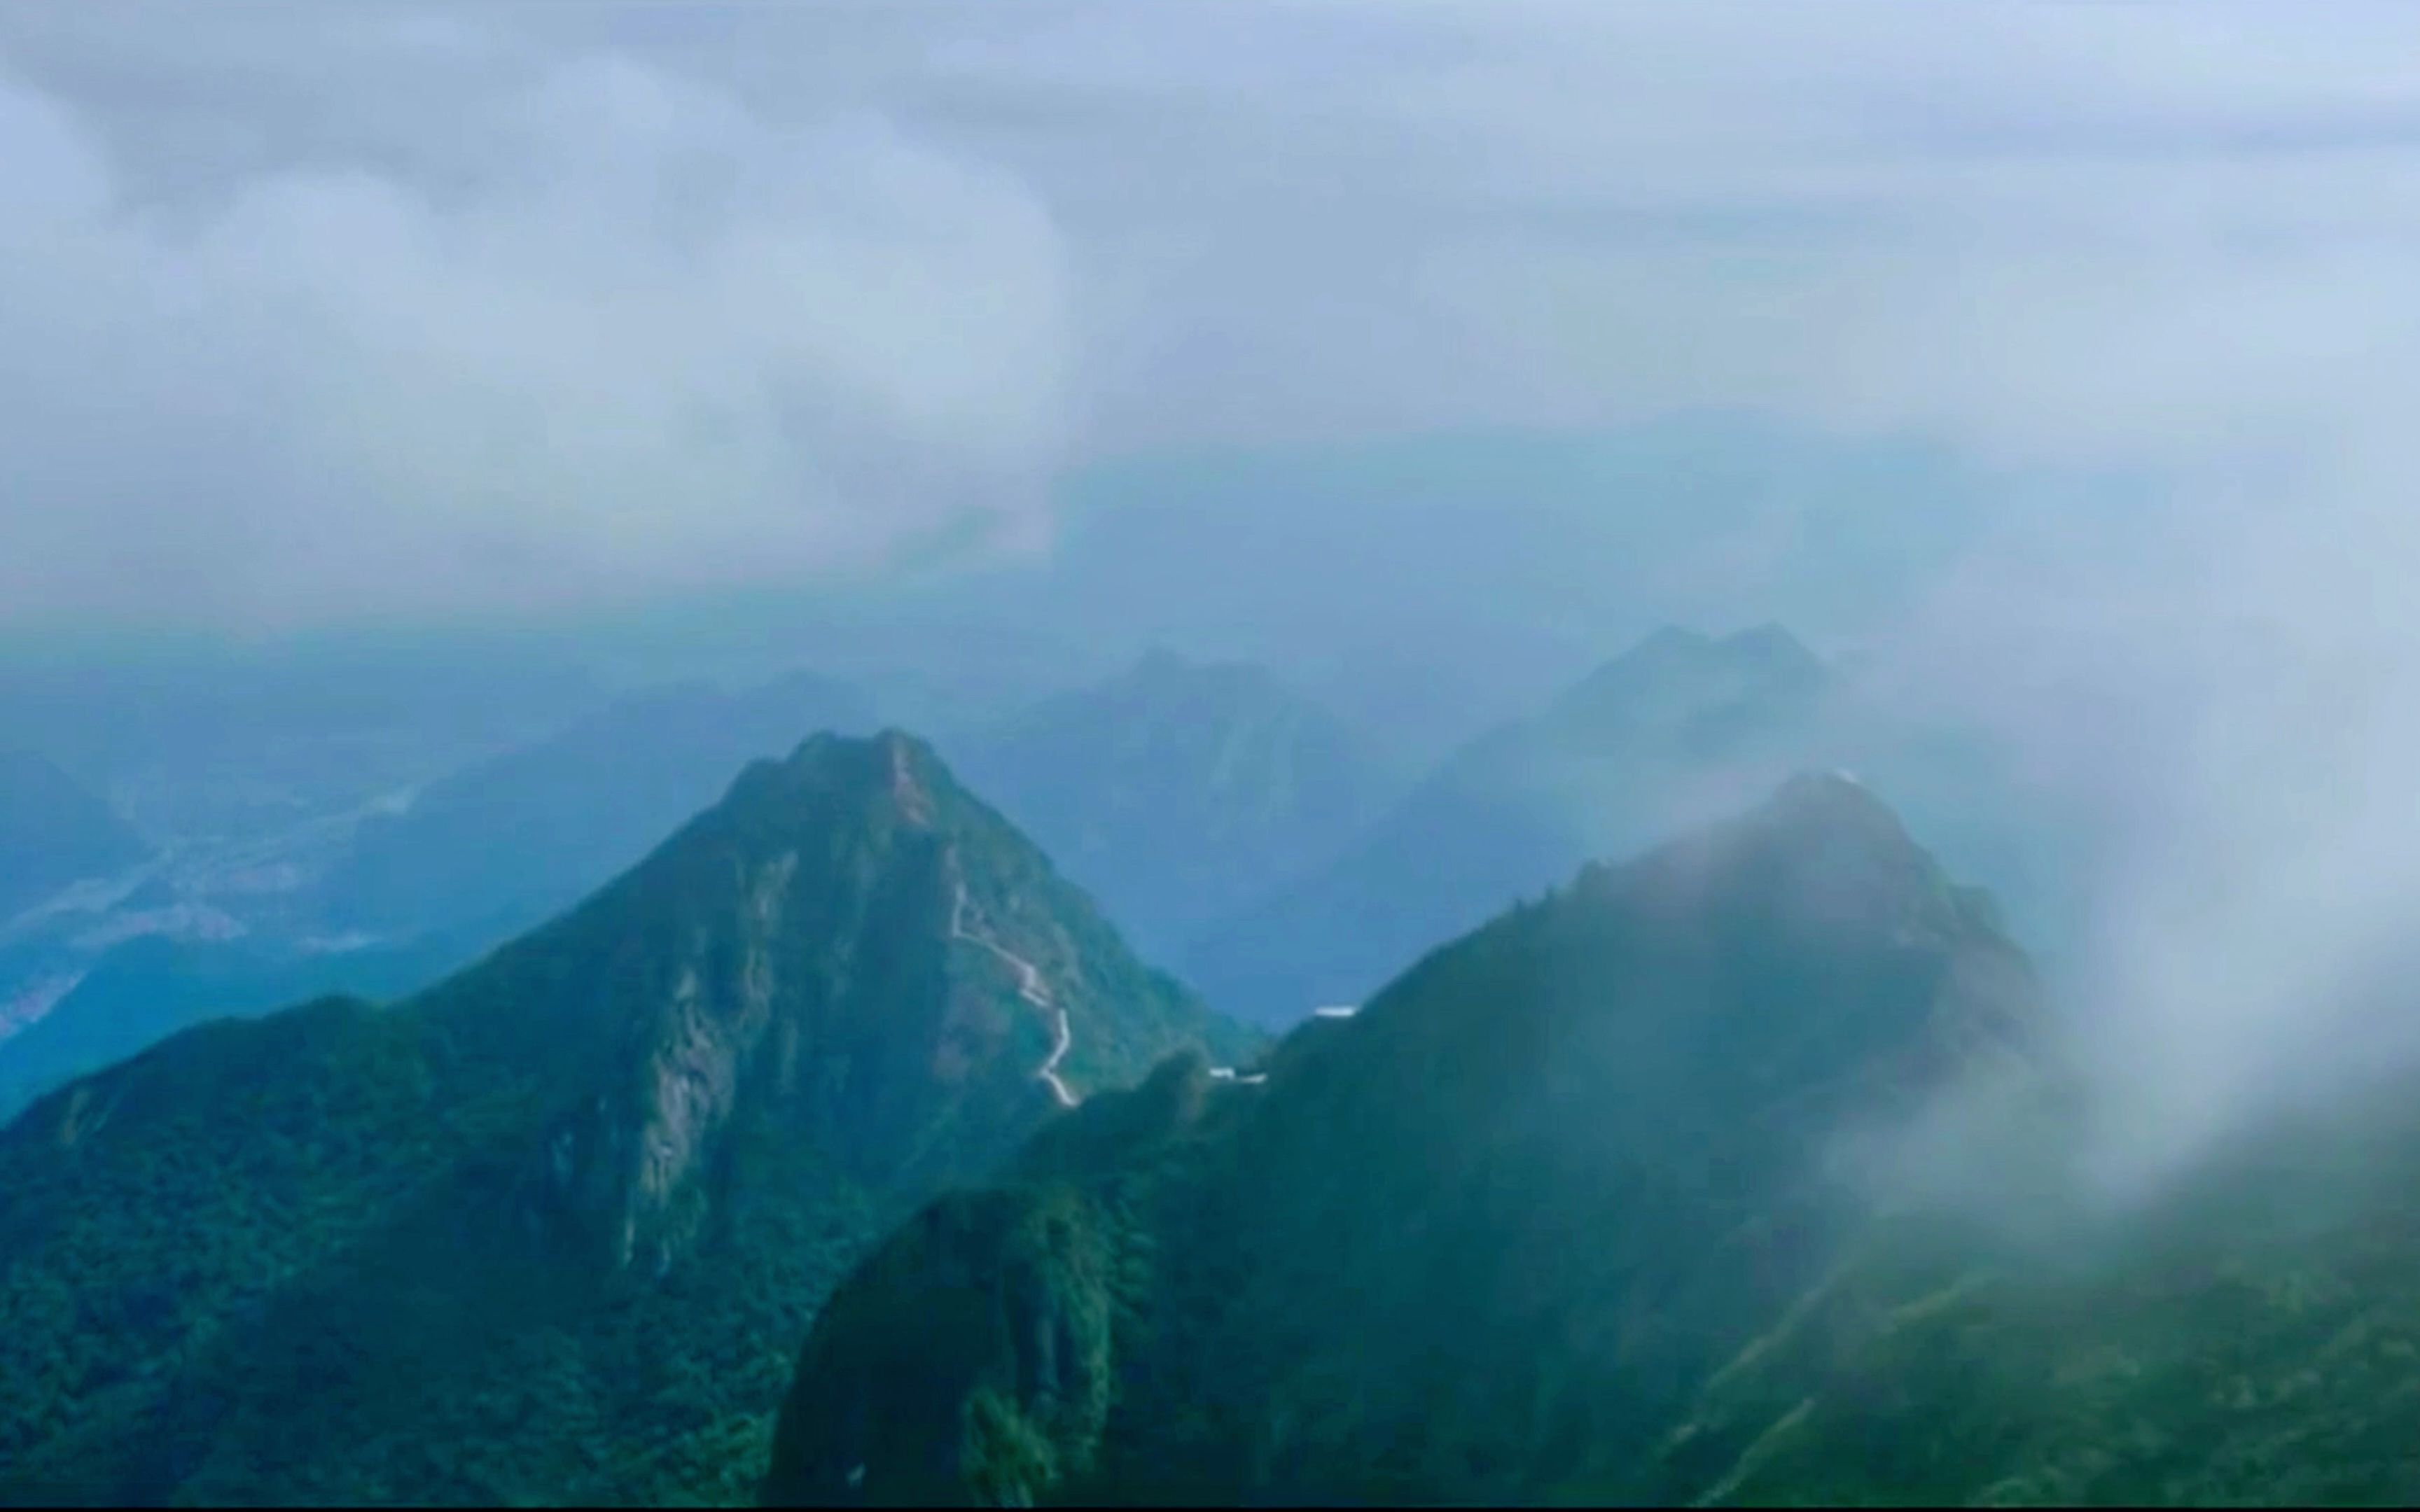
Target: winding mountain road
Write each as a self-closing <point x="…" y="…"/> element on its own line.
<point x="1029" y="986"/>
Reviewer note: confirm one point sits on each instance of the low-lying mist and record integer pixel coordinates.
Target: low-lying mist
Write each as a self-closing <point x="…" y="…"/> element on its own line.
<point x="2224" y="717"/>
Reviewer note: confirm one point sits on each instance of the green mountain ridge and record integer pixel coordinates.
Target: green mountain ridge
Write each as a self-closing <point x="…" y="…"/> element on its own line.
<point x="551" y="1230"/>
<point x="1749" y="1173"/>
<point x="1482" y="1242"/>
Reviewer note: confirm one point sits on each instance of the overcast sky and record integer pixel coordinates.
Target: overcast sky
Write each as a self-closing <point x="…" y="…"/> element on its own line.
<point x="317" y="311"/>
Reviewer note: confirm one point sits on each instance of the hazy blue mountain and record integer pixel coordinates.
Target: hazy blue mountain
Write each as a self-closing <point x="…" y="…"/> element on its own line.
<point x="214" y="741"/>
<point x="1483" y="1244"/>
<point x="1672" y="734"/>
<point x="551" y="1231"/>
<point x="54" y="832"/>
<point x="1179" y="791"/>
<point x="149" y="987"/>
<point x="1423" y="586"/>
<point x="505" y="843"/>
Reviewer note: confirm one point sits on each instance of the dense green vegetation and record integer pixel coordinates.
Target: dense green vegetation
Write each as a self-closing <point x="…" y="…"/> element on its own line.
<point x="1743" y="1175"/>
<point x="1483" y="1243"/>
<point x="2251" y="1336"/>
<point x="552" y="1230"/>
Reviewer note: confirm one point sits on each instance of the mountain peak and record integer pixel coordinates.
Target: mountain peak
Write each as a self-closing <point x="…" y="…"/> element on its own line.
<point x="889" y="765"/>
<point x="511" y="840"/>
<point x="856" y="898"/>
<point x="891" y="746"/>
<point x="1834" y="798"/>
<point x="1823" y="855"/>
<point x="1665" y="646"/>
<point x="1677" y="672"/>
<point x="629" y="1147"/>
<point x="1161" y="670"/>
<point x="1771" y="645"/>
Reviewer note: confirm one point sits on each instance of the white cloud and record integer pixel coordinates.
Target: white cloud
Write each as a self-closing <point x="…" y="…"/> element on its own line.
<point x="823" y="276"/>
<point x="647" y="342"/>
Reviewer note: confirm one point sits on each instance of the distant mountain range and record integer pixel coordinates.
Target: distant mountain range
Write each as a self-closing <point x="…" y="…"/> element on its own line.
<point x="1672" y="734"/>
<point x="1698" y="1139"/>
<point x="1180" y="791"/>
<point x="53" y="832"/>
<point x="551" y="1230"/>
<point x="1173" y="793"/>
<point x="196" y="742"/>
<point x="501" y="844"/>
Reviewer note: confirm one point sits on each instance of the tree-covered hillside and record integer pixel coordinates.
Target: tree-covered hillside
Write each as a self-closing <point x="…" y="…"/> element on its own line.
<point x="552" y="1230"/>
<point x="1479" y="1243"/>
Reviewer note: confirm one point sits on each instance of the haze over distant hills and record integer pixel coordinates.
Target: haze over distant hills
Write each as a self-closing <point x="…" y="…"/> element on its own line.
<point x="500" y="845"/>
<point x="1180" y="790"/>
<point x="53" y="832"/>
<point x="1423" y="586"/>
<point x="551" y="1230"/>
<point x="218" y="742"/>
<point x="147" y="988"/>
<point x="1674" y="733"/>
<point x="245" y="768"/>
<point x="1174" y="792"/>
<point x="303" y="879"/>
